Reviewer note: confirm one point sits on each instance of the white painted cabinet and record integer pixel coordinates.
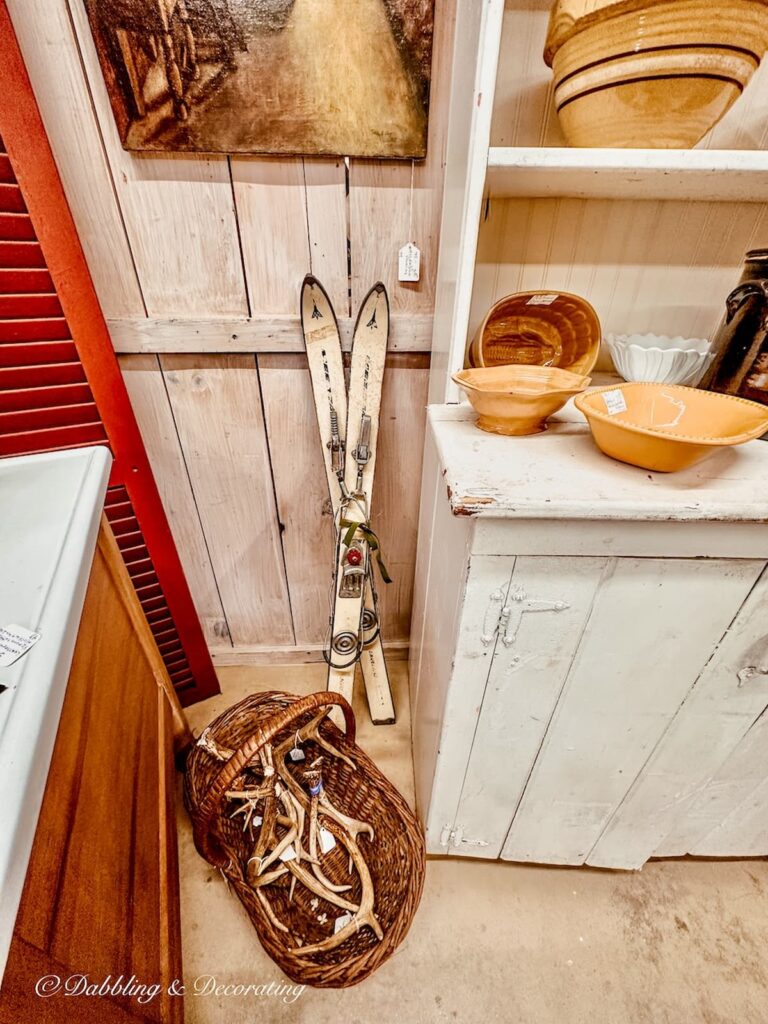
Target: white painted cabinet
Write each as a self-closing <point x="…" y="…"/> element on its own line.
<point x="590" y="650"/>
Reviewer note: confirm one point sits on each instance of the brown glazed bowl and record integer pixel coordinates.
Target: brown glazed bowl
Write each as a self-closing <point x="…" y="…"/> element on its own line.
<point x="651" y="74"/>
<point x="538" y="329"/>
<point x="517" y="400"/>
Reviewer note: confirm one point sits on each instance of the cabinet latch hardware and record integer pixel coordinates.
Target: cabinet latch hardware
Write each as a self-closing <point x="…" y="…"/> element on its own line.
<point x="455" y="837"/>
<point x="521" y="604"/>
<point x="492" y="617"/>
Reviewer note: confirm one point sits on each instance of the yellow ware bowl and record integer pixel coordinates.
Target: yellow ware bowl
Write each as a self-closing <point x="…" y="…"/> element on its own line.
<point x="538" y="329"/>
<point x="517" y="400"/>
<point x="654" y="74"/>
<point x="667" y="427"/>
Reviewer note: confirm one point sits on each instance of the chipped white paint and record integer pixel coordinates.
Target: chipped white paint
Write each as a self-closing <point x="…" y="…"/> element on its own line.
<point x="598" y="724"/>
<point x="560" y="474"/>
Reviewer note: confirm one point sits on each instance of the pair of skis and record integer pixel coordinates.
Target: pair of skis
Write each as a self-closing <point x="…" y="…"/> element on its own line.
<point x="349" y="428"/>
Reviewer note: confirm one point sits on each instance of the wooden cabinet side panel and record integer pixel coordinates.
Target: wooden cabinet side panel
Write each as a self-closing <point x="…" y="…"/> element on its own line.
<point x="100" y="878"/>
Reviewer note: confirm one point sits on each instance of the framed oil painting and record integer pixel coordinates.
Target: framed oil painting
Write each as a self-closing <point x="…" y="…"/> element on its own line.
<point x="334" y="77"/>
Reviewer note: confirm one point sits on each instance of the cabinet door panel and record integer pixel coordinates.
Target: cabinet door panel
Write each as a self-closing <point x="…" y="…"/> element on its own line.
<point x="651" y="632"/>
<point x="489" y="577"/>
<point x="716" y="714"/>
<point x="101" y="891"/>
<point x="525" y="682"/>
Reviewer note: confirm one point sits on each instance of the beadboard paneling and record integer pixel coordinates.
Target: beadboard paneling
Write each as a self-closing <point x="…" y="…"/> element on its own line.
<point x="660" y="266"/>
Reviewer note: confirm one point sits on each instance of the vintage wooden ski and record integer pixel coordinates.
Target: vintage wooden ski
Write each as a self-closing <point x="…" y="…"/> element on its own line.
<point x="354" y="632"/>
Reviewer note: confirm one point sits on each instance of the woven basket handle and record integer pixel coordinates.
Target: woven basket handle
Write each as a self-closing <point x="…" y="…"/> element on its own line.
<point x="209" y="806"/>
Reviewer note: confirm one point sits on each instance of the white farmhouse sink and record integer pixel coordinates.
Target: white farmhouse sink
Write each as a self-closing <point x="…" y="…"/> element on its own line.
<point x="49" y="518"/>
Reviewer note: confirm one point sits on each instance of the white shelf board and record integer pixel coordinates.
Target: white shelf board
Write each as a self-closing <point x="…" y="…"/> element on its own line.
<point x="697" y="174"/>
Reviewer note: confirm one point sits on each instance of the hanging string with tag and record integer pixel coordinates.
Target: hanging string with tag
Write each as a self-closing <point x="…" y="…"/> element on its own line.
<point x="409" y="257"/>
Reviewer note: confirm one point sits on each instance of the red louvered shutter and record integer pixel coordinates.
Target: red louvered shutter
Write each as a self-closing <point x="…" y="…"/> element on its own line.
<point x="60" y="384"/>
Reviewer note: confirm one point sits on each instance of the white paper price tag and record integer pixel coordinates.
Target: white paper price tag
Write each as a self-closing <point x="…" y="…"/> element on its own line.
<point x="256" y="820"/>
<point x="15" y="641"/>
<point x="341" y="922"/>
<point x="327" y="840"/>
<point x="297" y="754"/>
<point x="542" y="300"/>
<point x="288" y="854"/>
<point x="614" y="402"/>
<point x="409" y="263"/>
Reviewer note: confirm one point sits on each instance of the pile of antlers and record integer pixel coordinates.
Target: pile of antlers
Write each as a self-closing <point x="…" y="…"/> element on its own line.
<point x="288" y="840"/>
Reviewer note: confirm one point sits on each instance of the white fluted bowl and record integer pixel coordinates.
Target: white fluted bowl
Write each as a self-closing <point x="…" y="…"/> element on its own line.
<point x="660" y="359"/>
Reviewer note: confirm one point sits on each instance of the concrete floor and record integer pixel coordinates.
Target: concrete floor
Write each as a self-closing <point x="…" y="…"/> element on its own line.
<point x="682" y="942"/>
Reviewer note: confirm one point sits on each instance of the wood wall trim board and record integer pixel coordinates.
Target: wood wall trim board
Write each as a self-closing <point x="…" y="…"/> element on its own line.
<point x="217" y="407"/>
<point x="44" y="32"/>
<point x="146" y="387"/>
<point x="291" y="654"/>
<point x="269" y="333"/>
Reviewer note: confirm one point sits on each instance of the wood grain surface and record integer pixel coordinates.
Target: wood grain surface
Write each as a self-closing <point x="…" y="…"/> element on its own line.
<point x="101" y="894"/>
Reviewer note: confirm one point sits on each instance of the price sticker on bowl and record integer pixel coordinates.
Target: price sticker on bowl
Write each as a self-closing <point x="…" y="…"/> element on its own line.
<point x="615" y="402"/>
<point x="542" y="300"/>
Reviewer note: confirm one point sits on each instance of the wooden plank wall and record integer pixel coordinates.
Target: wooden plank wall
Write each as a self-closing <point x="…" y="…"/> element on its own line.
<point x="197" y="262"/>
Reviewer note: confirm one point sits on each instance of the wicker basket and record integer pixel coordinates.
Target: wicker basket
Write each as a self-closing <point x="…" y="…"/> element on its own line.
<point x="395" y="856"/>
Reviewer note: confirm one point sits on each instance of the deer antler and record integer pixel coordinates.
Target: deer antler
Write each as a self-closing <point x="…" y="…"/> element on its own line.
<point x="364" y="914"/>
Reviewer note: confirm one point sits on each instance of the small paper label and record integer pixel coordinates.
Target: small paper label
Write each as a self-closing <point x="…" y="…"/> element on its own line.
<point x="14" y="642"/>
<point x="542" y="300"/>
<point x="614" y="402"/>
<point x="288" y="854"/>
<point x="409" y="263"/>
<point x="327" y="840"/>
<point x="297" y="754"/>
<point x="341" y="922"/>
<point x="256" y="820"/>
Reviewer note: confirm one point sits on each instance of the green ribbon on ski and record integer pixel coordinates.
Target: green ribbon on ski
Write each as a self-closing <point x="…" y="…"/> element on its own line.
<point x="371" y="540"/>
